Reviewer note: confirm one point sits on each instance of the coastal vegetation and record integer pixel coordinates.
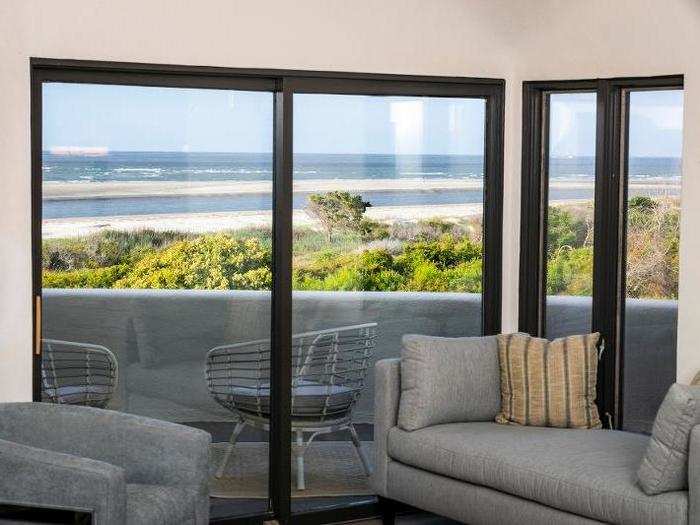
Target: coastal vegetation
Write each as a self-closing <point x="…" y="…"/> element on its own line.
<point x="353" y="252"/>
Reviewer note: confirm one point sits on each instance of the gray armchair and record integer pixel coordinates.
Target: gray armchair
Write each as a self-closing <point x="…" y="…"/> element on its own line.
<point x="122" y="468"/>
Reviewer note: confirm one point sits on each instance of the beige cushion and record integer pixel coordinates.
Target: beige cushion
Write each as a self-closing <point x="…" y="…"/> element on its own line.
<point x="447" y="380"/>
<point x="548" y="384"/>
<point x="664" y="467"/>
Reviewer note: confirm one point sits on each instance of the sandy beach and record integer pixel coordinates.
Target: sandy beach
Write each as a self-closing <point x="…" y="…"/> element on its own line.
<point x="213" y="222"/>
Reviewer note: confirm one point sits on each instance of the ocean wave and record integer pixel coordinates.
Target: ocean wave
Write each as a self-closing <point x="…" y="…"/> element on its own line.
<point x="422" y="173"/>
<point x="140" y="170"/>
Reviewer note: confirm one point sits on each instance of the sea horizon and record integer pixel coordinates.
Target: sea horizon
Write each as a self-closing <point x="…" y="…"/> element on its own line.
<point x="126" y="166"/>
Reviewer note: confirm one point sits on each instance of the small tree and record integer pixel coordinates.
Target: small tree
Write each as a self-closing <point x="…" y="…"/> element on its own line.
<point x="338" y="210"/>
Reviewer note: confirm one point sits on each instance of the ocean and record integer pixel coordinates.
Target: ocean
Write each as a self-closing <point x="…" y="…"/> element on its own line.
<point x="180" y="166"/>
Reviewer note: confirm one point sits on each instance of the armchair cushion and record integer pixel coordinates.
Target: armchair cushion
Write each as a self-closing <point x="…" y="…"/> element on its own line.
<point x="157" y="505"/>
<point x="448" y="380"/>
<point x="664" y="467"/>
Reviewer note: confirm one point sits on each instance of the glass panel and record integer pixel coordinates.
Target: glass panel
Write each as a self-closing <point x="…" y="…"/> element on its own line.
<point x="571" y="167"/>
<point x="156" y="250"/>
<point x="653" y="227"/>
<point x="388" y="205"/>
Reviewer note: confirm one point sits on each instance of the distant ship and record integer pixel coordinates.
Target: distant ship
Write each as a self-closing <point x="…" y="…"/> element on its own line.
<point x="80" y="151"/>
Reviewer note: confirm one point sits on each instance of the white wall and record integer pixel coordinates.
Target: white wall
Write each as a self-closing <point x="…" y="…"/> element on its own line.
<point x="499" y="39"/>
<point x="569" y="39"/>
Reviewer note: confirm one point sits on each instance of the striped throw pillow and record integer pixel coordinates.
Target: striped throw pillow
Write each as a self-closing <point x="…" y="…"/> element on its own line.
<point x="548" y="383"/>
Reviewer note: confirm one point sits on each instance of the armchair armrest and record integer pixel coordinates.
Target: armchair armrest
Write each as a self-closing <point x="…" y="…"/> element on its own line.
<point x="387" y="392"/>
<point x="36" y="477"/>
<point x="694" y="477"/>
<point x="158" y="452"/>
<point x="150" y="451"/>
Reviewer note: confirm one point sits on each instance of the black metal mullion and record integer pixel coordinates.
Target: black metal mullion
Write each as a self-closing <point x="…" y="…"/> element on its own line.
<point x="281" y="326"/>
<point x="622" y="269"/>
<point x="493" y="215"/>
<point x="36" y="202"/>
<point x="531" y="297"/>
<point x="605" y="314"/>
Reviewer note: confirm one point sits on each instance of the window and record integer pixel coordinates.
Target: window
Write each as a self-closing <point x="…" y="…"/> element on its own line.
<point x="570" y="217"/>
<point x="201" y="224"/>
<point x="652" y="239"/>
<point x="610" y="254"/>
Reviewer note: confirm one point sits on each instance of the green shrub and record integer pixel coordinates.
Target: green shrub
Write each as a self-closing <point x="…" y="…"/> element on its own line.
<point x="84" y="278"/>
<point x="440" y="265"/>
<point x="564" y="230"/>
<point x="211" y="262"/>
<point x="570" y="272"/>
<point x="371" y="230"/>
<point x="118" y="247"/>
<point x="66" y="255"/>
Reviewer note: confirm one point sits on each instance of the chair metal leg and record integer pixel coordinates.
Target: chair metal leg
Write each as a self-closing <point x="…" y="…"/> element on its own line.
<point x="229" y="451"/>
<point x="358" y="446"/>
<point x="301" y="448"/>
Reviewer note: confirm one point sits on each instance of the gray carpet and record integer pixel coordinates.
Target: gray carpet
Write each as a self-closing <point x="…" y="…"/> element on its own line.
<point x="332" y="469"/>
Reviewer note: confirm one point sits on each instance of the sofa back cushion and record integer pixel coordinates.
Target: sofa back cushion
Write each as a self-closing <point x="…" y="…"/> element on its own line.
<point x="664" y="467"/>
<point x="448" y="380"/>
<point x="548" y="383"/>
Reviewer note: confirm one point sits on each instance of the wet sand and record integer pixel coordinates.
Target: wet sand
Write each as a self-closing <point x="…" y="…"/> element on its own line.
<point x="96" y="190"/>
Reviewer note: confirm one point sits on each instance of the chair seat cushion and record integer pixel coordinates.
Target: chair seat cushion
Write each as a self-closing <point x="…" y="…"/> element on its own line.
<point x="79" y="394"/>
<point x="309" y="399"/>
<point x="591" y="473"/>
<point x="158" y="505"/>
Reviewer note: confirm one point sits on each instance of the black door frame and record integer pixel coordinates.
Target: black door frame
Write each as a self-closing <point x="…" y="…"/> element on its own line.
<point x="283" y="84"/>
<point x="612" y="114"/>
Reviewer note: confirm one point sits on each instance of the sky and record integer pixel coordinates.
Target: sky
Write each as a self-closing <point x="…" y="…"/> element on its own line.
<point x="656" y="124"/>
<point x="135" y="118"/>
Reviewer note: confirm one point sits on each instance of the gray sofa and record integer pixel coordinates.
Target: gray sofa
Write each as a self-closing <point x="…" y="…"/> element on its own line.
<point x="487" y="473"/>
<point x="122" y="468"/>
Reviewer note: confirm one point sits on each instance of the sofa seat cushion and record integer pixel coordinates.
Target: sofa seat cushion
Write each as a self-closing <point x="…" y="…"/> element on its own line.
<point x="591" y="473"/>
<point x="158" y="505"/>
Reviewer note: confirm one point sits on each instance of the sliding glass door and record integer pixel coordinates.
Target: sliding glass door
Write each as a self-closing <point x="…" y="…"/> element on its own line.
<point x="234" y="250"/>
<point x="600" y="230"/>
<point x="155" y="256"/>
<point x="388" y="231"/>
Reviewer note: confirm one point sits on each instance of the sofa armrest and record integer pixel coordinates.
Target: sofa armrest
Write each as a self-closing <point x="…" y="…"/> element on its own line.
<point x="387" y="392"/>
<point x="36" y="477"/>
<point x="694" y="477"/>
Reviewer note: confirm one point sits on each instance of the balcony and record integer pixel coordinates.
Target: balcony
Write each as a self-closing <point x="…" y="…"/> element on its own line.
<point x="161" y="337"/>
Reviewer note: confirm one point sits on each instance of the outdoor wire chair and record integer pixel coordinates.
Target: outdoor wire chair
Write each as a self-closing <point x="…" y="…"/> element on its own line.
<point x="329" y="368"/>
<point x="77" y="373"/>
